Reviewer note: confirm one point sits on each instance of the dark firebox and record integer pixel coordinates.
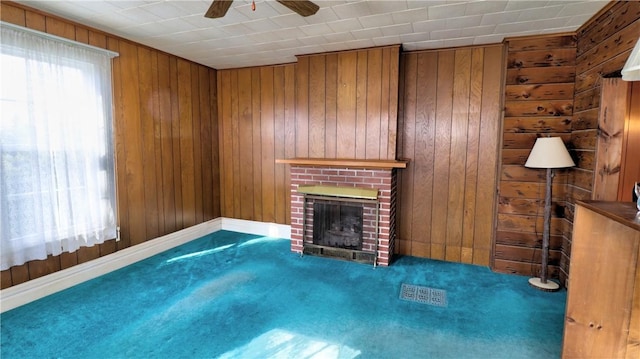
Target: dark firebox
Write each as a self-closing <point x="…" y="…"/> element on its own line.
<point x="337" y="224"/>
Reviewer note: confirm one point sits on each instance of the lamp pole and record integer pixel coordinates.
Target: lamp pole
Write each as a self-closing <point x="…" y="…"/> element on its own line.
<point x="546" y="228"/>
<point x="541" y="282"/>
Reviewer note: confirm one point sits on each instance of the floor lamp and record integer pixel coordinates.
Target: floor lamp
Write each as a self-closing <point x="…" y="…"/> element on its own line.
<point x="549" y="153"/>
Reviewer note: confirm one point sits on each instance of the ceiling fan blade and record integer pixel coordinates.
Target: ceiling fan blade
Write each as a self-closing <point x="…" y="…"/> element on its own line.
<point x="302" y="7"/>
<point x="218" y="8"/>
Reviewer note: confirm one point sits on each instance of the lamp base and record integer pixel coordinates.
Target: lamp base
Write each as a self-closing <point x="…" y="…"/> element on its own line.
<point x="549" y="286"/>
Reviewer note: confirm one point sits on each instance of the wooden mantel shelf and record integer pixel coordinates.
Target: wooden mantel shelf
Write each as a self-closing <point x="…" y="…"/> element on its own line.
<point x="340" y="162"/>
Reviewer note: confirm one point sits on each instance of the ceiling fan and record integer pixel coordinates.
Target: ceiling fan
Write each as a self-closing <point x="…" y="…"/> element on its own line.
<point x="219" y="8"/>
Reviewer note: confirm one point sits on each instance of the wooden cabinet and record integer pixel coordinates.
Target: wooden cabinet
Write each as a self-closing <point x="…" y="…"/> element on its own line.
<point x="603" y="302"/>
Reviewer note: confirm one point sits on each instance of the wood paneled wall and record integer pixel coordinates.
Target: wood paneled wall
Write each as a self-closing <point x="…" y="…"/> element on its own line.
<point x="604" y="44"/>
<point x="179" y="165"/>
<point x="554" y="87"/>
<point x="347" y="104"/>
<point x="538" y="102"/>
<point x="450" y="114"/>
<point x="166" y="135"/>
<point x="334" y="105"/>
<point x="603" y="48"/>
<point x="257" y="126"/>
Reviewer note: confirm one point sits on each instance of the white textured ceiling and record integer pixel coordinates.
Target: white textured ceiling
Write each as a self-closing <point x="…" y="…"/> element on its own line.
<point x="273" y="34"/>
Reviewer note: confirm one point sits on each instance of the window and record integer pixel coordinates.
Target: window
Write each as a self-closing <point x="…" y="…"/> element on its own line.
<point x="57" y="182"/>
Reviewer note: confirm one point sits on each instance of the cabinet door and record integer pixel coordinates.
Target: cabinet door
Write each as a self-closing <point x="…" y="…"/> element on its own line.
<point x="604" y="254"/>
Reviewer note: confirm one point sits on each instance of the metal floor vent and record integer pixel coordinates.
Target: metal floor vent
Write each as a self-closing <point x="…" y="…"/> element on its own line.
<point x="424" y="295"/>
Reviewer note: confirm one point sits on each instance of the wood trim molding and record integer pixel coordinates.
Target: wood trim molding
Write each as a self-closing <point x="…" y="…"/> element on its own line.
<point x="339" y="162"/>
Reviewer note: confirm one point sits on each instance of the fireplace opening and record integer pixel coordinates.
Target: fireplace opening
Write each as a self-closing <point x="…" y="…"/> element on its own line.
<point x="340" y="222"/>
<point x="337" y="225"/>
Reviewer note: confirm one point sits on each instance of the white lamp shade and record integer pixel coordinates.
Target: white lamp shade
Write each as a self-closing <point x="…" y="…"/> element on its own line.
<point x="549" y="152"/>
<point x="631" y="69"/>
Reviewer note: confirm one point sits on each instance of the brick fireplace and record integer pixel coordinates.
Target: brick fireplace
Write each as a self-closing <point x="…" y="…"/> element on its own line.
<point x="369" y="185"/>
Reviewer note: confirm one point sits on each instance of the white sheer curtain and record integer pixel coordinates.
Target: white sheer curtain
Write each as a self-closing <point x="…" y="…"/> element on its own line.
<point x="57" y="190"/>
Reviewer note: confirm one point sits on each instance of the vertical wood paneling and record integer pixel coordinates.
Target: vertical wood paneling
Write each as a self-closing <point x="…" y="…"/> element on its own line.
<point x="346" y="114"/>
<point x="406" y="144"/>
<point x="212" y="145"/>
<point x="267" y="137"/>
<point x="177" y="166"/>
<point x="457" y="171"/>
<point x="161" y="133"/>
<point x="302" y="106"/>
<point x="226" y="144"/>
<point x="344" y="104"/>
<point x="488" y="157"/>
<point x="157" y="143"/>
<point x="392" y="102"/>
<point x="424" y="145"/>
<point x="147" y="133"/>
<point x="331" y="105"/>
<point x="282" y="191"/>
<point x="256" y="140"/>
<point x="444" y="99"/>
<point x="197" y="134"/>
<point x="257" y="114"/>
<point x="290" y="120"/>
<point x="281" y="179"/>
<point x="167" y="159"/>
<point x="132" y="163"/>
<point x="384" y="104"/>
<point x="15" y="15"/>
<point x="59" y="27"/>
<point x="317" y="96"/>
<point x="207" y="163"/>
<point x="374" y="142"/>
<point x="471" y="165"/>
<point x="325" y="106"/>
<point x="236" y="161"/>
<point x="245" y="144"/>
<point x="361" y="106"/>
<point x="187" y="171"/>
<point x="36" y="21"/>
<point x="450" y="114"/>
<point x="175" y="143"/>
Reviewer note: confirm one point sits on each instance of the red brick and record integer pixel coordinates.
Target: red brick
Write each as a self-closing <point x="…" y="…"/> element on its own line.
<point x="383" y="180"/>
<point x="320" y="177"/>
<point x="346" y="172"/>
<point x="375" y="181"/>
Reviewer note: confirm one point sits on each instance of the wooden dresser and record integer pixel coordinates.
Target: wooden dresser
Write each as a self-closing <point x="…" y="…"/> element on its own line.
<point x="603" y="301"/>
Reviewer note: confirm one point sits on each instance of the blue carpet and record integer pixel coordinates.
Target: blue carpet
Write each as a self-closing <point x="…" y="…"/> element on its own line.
<point x="232" y="295"/>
